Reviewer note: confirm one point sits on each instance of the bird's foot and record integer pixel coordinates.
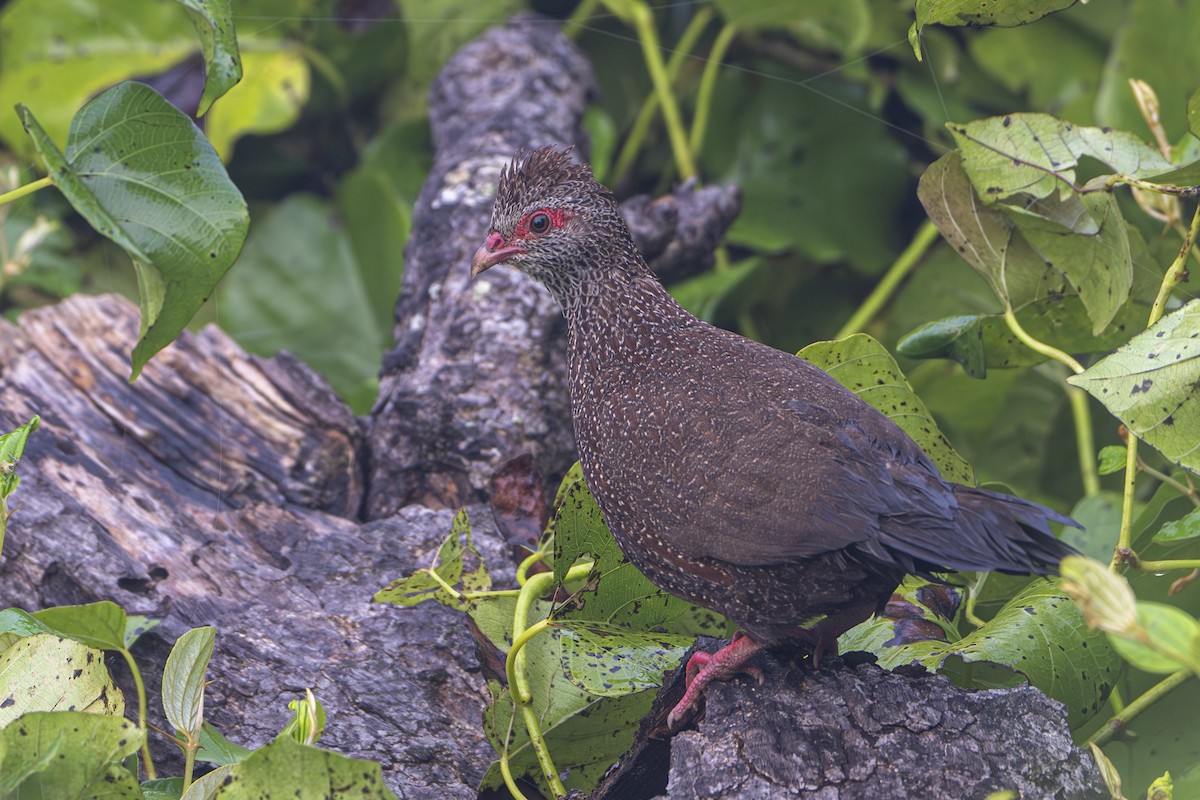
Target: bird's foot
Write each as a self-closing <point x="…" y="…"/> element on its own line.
<point x="704" y="668"/>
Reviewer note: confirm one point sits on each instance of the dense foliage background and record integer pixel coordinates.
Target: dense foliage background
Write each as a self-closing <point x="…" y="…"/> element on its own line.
<point x="819" y="111"/>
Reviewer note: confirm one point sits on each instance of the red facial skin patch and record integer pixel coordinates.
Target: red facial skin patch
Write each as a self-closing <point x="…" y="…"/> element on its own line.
<point x="557" y="216"/>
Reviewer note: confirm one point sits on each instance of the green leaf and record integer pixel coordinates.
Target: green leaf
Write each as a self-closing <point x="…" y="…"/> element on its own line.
<point x="216" y="749"/>
<point x="213" y="21"/>
<point x="1050" y="63"/>
<point x="162" y="789"/>
<point x="135" y="626"/>
<point x="917" y="611"/>
<point x="267" y="100"/>
<point x="377" y="224"/>
<point x="1148" y="30"/>
<point x="703" y="294"/>
<point x="206" y="786"/>
<point x="74" y="755"/>
<point x="22" y="623"/>
<point x="979" y="233"/>
<point x="809" y="172"/>
<point x="448" y="568"/>
<point x="144" y="176"/>
<point x="1180" y="530"/>
<point x="287" y="768"/>
<point x="308" y="721"/>
<point x="1035" y="154"/>
<point x="839" y="26"/>
<point x="100" y="625"/>
<point x="1100" y="518"/>
<point x="183" y="679"/>
<point x="1167" y="638"/>
<point x="12" y="448"/>
<point x="271" y="302"/>
<point x="978" y="13"/>
<point x="1149" y="385"/>
<point x="864" y="366"/>
<point x="1193" y="113"/>
<point x="984" y="341"/>
<point x="612" y="660"/>
<point x="1040" y="634"/>
<point x="585" y="733"/>
<point x="59" y="53"/>
<point x="1098" y="265"/>
<point x="1112" y="459"/>
<point x="46" y="672"/>
<point x="957" y="338"/>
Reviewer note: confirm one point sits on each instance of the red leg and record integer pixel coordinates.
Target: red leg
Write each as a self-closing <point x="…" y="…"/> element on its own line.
<point x="704" y="668"/>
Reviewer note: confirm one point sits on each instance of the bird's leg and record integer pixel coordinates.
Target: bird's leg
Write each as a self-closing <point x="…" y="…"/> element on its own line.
<point x="704" y="668"/>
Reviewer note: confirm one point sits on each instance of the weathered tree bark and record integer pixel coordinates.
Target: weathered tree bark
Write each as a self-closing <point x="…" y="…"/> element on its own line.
<point x="855" y="733"/>
<point x="230" y="490"/>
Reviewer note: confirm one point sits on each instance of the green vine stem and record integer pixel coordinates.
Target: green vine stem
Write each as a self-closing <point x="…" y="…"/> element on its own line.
<point x="518" y="677"/>
<point x="708" y="82"/>
<point x="141" y="693"/>
<point x="641" y="125"/>
<point x="582" y="12"/>
<point x="1081" y="412"/>
<point x="1049" y="351"/>
<point x="1124" y="537"/>
<point x="1187" y="491"/>
<point x="924" y="238"/>
<point x="643" y="23"/>
<point x="1175" y="272"/>
<point x="1164" y="566"/>
<point x="521" y="697"/>
<point x="1149" y="697"/>
<point x="1085" y="440"/>
<point x="27" y="189"/>
<point x="189" y="761"/>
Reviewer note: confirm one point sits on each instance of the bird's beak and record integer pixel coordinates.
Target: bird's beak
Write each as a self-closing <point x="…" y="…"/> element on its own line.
<point x="492" y="253"/>
<point x="486" y="259"/>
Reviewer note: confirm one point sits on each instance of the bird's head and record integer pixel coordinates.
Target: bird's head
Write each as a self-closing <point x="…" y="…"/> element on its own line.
<point x="555" y="223"/>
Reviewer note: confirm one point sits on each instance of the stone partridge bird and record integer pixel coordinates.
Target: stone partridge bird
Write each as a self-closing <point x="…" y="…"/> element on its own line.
<point x="736" y="476"/>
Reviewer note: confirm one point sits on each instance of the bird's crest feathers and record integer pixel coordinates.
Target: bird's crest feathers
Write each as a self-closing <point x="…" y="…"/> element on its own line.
<point x="546" y="172"/>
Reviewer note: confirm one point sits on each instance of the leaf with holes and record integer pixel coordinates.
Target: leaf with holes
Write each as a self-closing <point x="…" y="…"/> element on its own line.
<point x="612" y="660"/>
<point x="616" y="592"/>
<point x="141" y="173"/>
<point x="1035" y="154"/>
<point x="983" y="235"/>
<point x="449" y="568"/>
<point x="287" y="768"/>
<point x="95" y="745"/>
<point x="1039" y="634"/>
<point x="865" y="367"/>
<point x="1152" y="384"/>
<point x="213" y="21"/>
<point x="47" y="672"/>
<point x="1098" y="264"/>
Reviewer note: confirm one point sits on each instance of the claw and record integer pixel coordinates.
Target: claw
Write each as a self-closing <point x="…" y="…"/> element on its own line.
<point x="704" y="668"/>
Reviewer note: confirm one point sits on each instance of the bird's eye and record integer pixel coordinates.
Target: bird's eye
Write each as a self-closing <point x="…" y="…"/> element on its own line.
<point x="539" y="223"/>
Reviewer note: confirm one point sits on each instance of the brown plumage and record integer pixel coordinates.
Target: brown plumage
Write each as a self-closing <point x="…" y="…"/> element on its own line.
<point x="736" y="476"/>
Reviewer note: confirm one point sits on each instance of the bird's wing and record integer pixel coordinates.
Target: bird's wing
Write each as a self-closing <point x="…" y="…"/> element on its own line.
<point x="823" y="471"/>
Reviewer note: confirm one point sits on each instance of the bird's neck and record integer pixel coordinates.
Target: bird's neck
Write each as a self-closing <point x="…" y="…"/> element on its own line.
<point x="619" y="318"/>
